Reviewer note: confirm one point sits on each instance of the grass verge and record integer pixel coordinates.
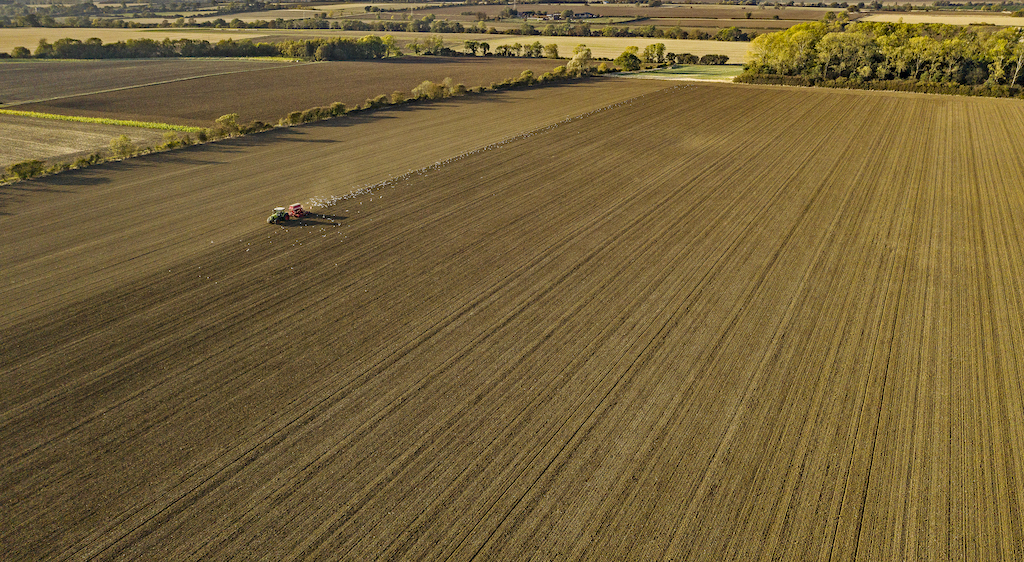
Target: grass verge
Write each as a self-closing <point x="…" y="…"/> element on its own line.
<point x="102" y="121"/>
<point x="698" y="71"/>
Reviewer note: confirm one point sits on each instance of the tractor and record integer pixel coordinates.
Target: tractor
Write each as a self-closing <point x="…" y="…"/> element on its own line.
<point x="281" y="214"/>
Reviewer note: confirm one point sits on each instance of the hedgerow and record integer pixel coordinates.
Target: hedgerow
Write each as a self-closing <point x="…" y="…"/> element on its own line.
<point x="228" y="126"/>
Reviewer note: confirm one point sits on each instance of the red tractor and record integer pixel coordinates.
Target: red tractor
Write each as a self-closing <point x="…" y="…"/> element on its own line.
<point x="281" y="214"/>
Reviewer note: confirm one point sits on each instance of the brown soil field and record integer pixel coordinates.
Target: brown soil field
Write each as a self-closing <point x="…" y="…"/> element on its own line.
<point x="27" y="138"/>
<point x="605" y="321"/>
<point x="39" y="80"/>
<point x="271" y="93"/>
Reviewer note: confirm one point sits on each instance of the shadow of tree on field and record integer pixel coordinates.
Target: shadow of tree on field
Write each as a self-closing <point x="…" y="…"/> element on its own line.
<point x="82" y="178"/>
<point x="13" y="194"/>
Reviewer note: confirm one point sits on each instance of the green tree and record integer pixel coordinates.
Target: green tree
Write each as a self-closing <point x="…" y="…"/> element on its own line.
<point x="1005" y="49"/>
<point x="471" y="47"/>
<point x="433" y="45"/>
<point x="390" y="46"/>
<point x="20" y="53"/>
<point x="895" y="50"/>
<point x="428" y="90"/>
<point x="786" y="52"/>
<point x="844" y="53"/>
<point x="581" y="61"/>
<point x="923" y="51"/>
<point x="228" y="124"/>
<point x="551" y="51"/>
<point x="25" y="170"/>
<point x="44" y="49"/>
<point x="628" y="60"/>
<point x="122" y="146"/>
<point x="654" y="53"/>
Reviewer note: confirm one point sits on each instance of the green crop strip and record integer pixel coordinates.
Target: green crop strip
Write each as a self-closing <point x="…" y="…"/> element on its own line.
<point x="102" y="121"/>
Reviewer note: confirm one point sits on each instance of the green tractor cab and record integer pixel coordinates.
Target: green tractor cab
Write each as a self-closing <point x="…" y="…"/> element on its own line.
<point x="279" y="215"/>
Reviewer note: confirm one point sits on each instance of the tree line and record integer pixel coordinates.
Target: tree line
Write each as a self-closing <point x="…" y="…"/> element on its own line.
<point x="340" y="48"/>
<point x="430" y="24"/>
<point x="632" y="59"/>
<point x="922" y="57"/>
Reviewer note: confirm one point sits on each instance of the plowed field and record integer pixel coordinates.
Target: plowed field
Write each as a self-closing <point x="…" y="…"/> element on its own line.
<point x="607" y="321"/>
<point x="271" y="91"/>
<point x="40" y="80"/>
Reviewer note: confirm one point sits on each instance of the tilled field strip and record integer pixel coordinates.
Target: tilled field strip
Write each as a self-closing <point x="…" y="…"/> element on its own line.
<point x="143" y="85"/>
<point x="22" y="82"/>
<point x="267" y="91"/>
<point x="714" y="322"/>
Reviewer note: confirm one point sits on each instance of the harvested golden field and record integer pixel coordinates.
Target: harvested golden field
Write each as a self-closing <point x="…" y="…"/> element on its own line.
<point x="611" y="47"/>
<point x="29" y="37"/>
<point x="952" y="18"/>
<point x="613" y="320"/>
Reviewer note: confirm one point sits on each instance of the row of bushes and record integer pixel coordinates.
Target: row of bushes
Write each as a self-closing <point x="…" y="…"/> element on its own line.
<point x="228" y="125"/>
<point x="120" y="147"/>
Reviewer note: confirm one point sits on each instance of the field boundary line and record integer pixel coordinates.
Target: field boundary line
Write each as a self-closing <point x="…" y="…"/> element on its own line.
<point x="158" y="83"/>
<point x="101" y="120"/>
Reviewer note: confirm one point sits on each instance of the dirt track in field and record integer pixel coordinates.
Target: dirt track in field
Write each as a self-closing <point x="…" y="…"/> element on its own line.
<point x="621" y="337"/>
<point x="269" y="93"/>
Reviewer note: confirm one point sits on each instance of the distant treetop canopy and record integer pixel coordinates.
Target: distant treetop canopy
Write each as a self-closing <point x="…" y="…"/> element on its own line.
<point x="835" y="50"/>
